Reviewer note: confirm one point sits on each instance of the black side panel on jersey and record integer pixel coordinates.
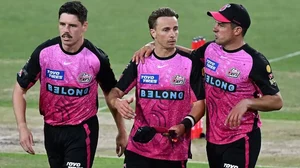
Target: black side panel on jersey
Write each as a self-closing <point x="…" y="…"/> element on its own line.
<point x="261" y="72"/>
<point x="196" y="78"/>
<point x="105" y="76"/>
<point x="129" y="76"/>
<point x="30" y="73"/>
<point x="199" y="53"/>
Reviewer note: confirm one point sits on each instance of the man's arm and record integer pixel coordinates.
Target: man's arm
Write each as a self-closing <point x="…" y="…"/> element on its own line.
<point x="265" y="103"/>
<point x="19" y="106"/>
<point x="122" y="106"/>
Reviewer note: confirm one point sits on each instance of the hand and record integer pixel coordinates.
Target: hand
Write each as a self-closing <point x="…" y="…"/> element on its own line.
<point x="123" y="107"/>
<point x="235" y="115"/>
<point x="121" y="143"/>
<point x="179" y="129"/>
<point x="145" y="51"/>
<point x="26" y="139"/>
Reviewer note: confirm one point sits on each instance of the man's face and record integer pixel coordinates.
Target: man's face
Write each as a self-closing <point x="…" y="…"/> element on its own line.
<point x="224" y="33"/>
<point x="165" y="32"/>
<point x="70" y="29"/>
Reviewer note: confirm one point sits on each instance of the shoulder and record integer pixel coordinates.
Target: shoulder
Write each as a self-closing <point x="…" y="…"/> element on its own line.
<point x="257" y="57"/>
<point x="95" y="50"/>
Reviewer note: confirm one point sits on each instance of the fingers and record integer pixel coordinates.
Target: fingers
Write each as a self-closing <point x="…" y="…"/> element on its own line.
<point x="27" y="144"/>
<point x="130" y="100"/>
<point x="233" y="120"/>
<point x="120" y="150"/>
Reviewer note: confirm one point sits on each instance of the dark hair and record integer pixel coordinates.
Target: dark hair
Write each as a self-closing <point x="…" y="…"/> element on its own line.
<point x="244" y="30"/>
<point x="160" y="12"/>
<point x="74" y="8"/>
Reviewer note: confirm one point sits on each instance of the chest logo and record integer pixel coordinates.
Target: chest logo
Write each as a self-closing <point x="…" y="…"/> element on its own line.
<point x="85" y="78"/>
<point x="210" y="64"/>
<point x="149" y="79"/>
<point x="233" y="73"/>
<point x="178" y="80"/>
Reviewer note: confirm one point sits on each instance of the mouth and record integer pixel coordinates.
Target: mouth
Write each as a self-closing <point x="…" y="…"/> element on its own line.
<point x="172" y="41"/>
<point x="66" y="37"/>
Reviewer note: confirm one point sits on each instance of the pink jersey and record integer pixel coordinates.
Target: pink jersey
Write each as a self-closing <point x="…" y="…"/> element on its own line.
<point x="231" y="76"/>
<point x="165" y="90"/>
<point x="69" y="81"/>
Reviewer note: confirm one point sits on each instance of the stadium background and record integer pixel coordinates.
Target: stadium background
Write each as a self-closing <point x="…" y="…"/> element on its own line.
<point x="120" y="28"/>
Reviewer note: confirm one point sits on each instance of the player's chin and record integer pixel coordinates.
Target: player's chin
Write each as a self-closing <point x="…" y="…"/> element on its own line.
<point x="171" y="45"/>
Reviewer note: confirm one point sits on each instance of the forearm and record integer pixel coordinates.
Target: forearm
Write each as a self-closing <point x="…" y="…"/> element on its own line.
<point x="198" y="110"/>
<point x="110" y="100"/>
<point x="265" y="103"/>
<point x="118" y="119"/>
<point x="19" y="106"/>
<point x="187" y="50"/>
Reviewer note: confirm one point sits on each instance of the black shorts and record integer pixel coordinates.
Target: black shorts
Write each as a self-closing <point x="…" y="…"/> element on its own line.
<point x="72" y="146"/>
<point x="133" y="160"/>
<point x="242" y="153"/>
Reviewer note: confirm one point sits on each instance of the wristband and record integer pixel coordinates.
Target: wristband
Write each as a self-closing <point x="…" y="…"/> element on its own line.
<point x="188" y="122"/>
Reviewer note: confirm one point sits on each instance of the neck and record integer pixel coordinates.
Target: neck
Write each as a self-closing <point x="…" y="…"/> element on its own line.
<point x="73" y="48"/>
<point x="164" y="52"/>
<point x="234" y="45"/>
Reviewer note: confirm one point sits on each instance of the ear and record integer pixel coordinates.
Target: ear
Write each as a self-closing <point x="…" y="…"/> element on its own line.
<point x="237" y="30"/>
<point x="85" y="26"/>
<point x="153" y="33"/>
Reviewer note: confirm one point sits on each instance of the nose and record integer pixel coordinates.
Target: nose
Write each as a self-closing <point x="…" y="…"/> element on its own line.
<point x="215" y="28"/>
<point x="173" y="33"/>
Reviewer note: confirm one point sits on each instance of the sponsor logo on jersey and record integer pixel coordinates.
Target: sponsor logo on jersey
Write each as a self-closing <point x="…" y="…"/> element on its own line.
<point x="233" y="73"/>
<point x="178" y="80"/>
<point x="272" y="80"/>
<point x="73" y="165"/>
<point x="227" y="165"/>
<point x="22" y="72"/>
<point x="149" y="79"/>
<point x="67" y="91"/>
<point x="219" y="83"/>
<point x="212" y="65"/>
<point x="55" y="74"/>
<point x="85" y="78"/>
<point x="268" y="68"/>
<point x="162" y="94"/>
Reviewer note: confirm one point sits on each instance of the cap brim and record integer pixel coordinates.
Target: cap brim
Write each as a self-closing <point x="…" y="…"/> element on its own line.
<point x="218" y="16"/>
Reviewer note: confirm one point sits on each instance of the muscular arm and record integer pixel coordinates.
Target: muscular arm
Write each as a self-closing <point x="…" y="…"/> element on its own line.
<point x="265" y="103"/>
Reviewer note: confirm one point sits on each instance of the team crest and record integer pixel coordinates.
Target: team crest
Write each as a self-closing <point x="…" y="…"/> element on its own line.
<point x="178" y="80"/>
<point x="233" y="73"/>
<point x="84" y="78"/>
<point x="224" y="7"/>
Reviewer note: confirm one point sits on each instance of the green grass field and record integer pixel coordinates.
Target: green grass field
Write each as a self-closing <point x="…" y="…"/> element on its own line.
<point x="120" y="28"/>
